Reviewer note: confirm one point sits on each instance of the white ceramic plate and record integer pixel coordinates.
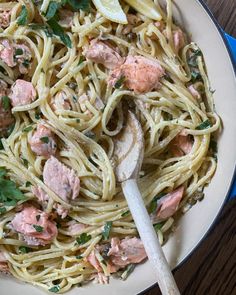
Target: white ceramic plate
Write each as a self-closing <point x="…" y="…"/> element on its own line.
<point x="195" y="224"/>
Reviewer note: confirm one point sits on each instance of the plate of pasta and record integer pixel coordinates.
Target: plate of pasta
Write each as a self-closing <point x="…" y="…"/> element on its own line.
<point x="69" y="73"/>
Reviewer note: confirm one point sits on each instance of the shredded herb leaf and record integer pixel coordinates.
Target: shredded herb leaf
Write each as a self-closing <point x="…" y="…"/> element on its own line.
<point x="81" y="60"/>
<point x="125" y="214"/>
<point x="129" y="269"/>
<point x="82" y="4"/>
<point x="195" y="76"/>
<point x="6" y="102"/>
<point x="58" y="31"/>
<point x="54" y="289"/>
<point x="45" y="139"/>
<point x="3" y="210"/>
<point x="107" y="230"/>
<point x="28" y="129"/>
<point x="83" y="238"/>
<point x="28" y="183"/>
<point x="9" y="193"/>
<point x="23" y="17"/>
<point x="205" y="125"/>
<point x="52" y="9"/>
<point x="119" y="82"/>
<point x="158" y="226"/>
<point x="38" y="228"/>
<point x="192" y="61"/>
<point x="90" y="134"/>
<point x="18" y="51"/>
<point x="24" y="250"/>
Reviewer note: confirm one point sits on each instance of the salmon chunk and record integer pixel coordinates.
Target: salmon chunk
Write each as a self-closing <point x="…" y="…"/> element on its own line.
<point x="7" y="53"/>
<point x="140" y="74"/>
<point x="126" y="251"/>
<point x="22" y="93"/>
<point x="43" y="142"/>
<point x="62" y="180"/>
<point x="61" y="101"/>
<point x="92" y="259"/>
<point x="179" y="40"/>
<point x="22" y="56"/>
<point x="5" y="16"/>
<point x="75" y="227"/>
<point x="101" y="53"/>
<point x="35" y="226"/>
<point x="195" y="93"/>
<point x="181" y="145"/>
<point x="168" y="205"/>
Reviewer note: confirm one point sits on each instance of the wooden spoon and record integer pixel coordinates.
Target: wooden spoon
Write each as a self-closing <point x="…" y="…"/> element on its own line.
<point x="128" y="151"/>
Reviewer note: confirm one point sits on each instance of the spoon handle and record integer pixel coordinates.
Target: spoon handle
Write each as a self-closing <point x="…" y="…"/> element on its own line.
<point x="149" y="238"/>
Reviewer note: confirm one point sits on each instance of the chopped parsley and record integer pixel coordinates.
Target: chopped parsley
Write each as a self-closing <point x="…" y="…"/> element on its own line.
<point x="83" y="239"/>
<point x="3" y="210"/>
<point x="129" y="269"/>
<point x="26" y="63"/>
<point x="58" y="31"/>
<point x="38" y="228"/>
<point x="54" y="289"/>
<point x="9" y="193"/>
<point x="6" y="102"/>
<point x="125" y="214"/>
<point x="195" y="76"/>
<point x="205" y="125"/>
<point x="119" y="82"/>
<point x="153" y="204"/>
<point x="81" y="60"/>
<point x="25" y="162"/>
<point x="107" y="230"/>
<point x="192" y="61"/>
<point x="28" y="129"/>
<point x="82" y="4"/>
<point x="158" y="226"/>
<point x="45" y="139"/>
<point x="18" y="51"/>
<point x="90" y="134"/>
<point x="28" y="183"/>
<point x="79" y="257"/>
<point x="23" y="17"/>
<point x="52" y="9"/>
<point x="24" y="250"/>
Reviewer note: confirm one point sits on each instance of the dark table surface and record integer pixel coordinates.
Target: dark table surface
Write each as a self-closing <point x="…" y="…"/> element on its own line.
<point x="211" y="269"/>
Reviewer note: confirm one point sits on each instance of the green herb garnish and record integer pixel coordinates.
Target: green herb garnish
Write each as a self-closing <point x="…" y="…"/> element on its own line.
<point x="28" y="129"/>
<point x="28" y="183"/>
<point x="129" y="269"/>
<point x="192" y="61"/>
<point x="6" y="102"/>
<point x="18" y="51"/>
<point x="90" y="134"/>
<point x="9" y="193"/>
<point x="54" y="289"/>
<point x="23" y="17"/>
<point x="205" y="125"/>
<point x="125" y="214"/>
<point x="45" y="139"/>
<point x="107" y="230"/>
<point x="83" y="238"/>
<point x="58" y="31"/>
<point x="158" y="226"/>
<point x="119" y="82"/>
<point x="3" y="210"/>
<point x="77" y="5"/>
<point x="24" y="250"/>
<point x="81" y="60"/>
<point x="38" y="228"/>
<point x="52" y="9"/>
